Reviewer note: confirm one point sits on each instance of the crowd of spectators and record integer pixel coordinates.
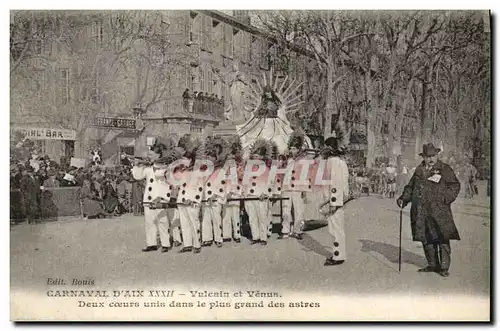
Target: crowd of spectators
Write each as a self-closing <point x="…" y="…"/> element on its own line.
<point x="203" y="103"/>
<point x="378" y="178"/>
<point x="107" y="191"/>
<point x="104" y="191"/>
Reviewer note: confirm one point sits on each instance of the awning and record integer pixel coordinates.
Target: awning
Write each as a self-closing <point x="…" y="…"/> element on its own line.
<point x="127" y="138"/>
<point x="126" y="142"/>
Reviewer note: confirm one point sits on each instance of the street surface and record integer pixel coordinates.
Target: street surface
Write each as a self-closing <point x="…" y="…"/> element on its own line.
<point x="109" y="251"/>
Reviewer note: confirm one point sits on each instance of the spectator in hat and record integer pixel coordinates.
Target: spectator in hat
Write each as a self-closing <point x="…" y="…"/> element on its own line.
<point x="124" y="190"/>
<point x="97" y="183"/>
<point x="90" y="199"/>
<point x="15" y="176"/>
<point x="124" y="160"/>
<point x="110" y="197"/>
<point x="186" y="97"/>
<point x="48" y="209"/>
<point x="431" y="191"/>
<point x="391" y="175"/>
<point x="51" y="180"/>
<point x="30" y="195"/>
<point x="41" y="175"/>
<point x="213" y="105"/>
<point x="469" y="175"/>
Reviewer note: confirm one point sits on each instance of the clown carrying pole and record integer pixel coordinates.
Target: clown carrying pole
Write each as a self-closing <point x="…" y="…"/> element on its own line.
<point x="190" y="195"/>
<point x="336" y="194"/>
<point x="294" y="188"/>
<point x="234" y="189"/>
<point x="214" y="193"/>
<point x="257" y="184"/>
<point x="157" y="189"/>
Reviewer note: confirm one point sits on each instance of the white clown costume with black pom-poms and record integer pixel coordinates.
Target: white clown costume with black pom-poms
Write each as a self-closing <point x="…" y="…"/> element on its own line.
<point x="190" y="195"/>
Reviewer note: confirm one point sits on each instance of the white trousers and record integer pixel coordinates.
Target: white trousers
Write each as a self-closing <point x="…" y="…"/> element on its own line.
<point x="175" y="226"/>
<point x="336" y="229"/>
<point x="156" y="220"/>
<point x="231" y="221"/>
<point x="272" y="209"/>
<point x="258" y="217"/>
<point x="176" y="234"/>
<point x="212" y="222"/>
<point x="190" y="225"/>
<point x="295" y="200"/>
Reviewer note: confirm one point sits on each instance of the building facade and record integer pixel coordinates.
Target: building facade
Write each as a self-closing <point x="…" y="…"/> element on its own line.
<point x="77" y="70"/>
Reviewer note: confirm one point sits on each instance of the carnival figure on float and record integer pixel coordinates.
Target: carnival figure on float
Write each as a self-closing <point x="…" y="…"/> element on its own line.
<point x="266" y="110"/>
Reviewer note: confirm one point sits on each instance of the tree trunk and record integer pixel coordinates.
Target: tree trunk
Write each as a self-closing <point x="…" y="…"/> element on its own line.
<point x="425" y="121"/>
<point x="400" y="118"/>
<point x="392" y="128"/>
<point x="386" y="110"/>
<point x="388" y="88"/>
<point x="371" y="122"/>
<point x="81" y="143"/>
<point x="327" y="129"/>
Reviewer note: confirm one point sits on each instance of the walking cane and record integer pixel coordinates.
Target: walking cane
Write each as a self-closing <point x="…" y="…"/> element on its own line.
<point x="400" y="232"/>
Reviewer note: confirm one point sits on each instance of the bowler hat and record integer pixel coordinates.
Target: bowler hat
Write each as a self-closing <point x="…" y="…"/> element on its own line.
<point x="429" y="150"/>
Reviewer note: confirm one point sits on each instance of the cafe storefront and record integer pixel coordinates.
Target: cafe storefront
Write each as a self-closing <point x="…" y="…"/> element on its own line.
<point x="57" y="143"/>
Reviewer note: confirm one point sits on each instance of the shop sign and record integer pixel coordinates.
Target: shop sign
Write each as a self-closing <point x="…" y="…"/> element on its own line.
<point x="113" y="122"/>
<point x="47" y="133"/>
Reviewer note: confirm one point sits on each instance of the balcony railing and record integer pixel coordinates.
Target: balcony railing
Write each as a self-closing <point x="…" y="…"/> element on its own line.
<point x="203" y="104"/>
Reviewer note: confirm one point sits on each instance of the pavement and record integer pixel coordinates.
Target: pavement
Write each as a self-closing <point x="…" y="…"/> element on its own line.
<point x="109" y="251"/>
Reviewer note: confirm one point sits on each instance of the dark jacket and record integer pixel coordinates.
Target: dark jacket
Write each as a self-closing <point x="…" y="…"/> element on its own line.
<point x="30" y="196"/>
<point x="431" y="218"/>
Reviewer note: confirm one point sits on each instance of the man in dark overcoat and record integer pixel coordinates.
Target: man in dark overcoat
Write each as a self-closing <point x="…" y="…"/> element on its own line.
<point x="30" y="195"/>
<point x="431" y="190"/>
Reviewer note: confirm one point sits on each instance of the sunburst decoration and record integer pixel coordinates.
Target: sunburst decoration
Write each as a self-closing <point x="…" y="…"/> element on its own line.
<point x="285" y="89"/>
<point x="277" y="129"/>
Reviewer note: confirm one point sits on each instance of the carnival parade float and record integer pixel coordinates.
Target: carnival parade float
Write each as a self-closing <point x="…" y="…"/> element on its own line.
<point x="258" y="112"/>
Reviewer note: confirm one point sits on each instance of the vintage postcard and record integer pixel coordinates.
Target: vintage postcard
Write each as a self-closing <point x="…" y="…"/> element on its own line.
<point x="239" y="165"/>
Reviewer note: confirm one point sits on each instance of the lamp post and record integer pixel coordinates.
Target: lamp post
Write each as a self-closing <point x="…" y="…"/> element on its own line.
<point x="138" y="111"/>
